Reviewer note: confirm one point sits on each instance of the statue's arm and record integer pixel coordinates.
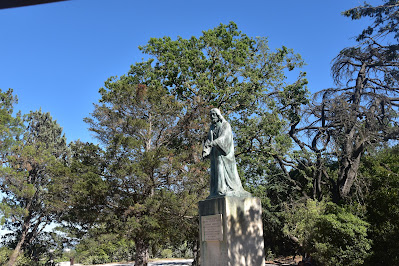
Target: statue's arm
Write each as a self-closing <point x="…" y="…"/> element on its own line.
<point x="207" y="146"/>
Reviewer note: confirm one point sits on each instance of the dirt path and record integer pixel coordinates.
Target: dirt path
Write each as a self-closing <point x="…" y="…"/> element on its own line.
<point x="164" y="262"/>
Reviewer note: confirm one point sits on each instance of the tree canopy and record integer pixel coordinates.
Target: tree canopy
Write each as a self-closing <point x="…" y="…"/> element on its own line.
<point x="152" y="121"/>
<point x="31" y="176"/>
<point x="325" y="167"/>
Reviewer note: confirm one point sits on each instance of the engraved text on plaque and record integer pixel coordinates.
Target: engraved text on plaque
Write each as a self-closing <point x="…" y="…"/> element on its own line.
<point x="212" y="227"/>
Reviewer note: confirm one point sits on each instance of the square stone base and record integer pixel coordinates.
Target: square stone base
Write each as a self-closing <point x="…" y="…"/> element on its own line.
<point x="239" y="241"/>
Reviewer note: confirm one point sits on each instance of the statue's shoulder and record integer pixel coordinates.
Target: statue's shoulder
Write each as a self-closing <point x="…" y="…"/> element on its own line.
<point x="225" y="125"/>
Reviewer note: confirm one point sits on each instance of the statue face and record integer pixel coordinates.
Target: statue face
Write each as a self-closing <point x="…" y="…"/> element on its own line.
<point x="214" y="117"/>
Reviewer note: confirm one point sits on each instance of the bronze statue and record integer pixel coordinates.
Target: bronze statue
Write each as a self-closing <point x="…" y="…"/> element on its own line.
<point x="220" y="148"/>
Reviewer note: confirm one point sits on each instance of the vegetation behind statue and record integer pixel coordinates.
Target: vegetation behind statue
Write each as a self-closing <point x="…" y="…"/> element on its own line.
<point x="151" y="123"/>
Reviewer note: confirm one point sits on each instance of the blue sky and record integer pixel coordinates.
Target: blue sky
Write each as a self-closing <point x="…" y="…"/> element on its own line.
<point x="57" y="56"/>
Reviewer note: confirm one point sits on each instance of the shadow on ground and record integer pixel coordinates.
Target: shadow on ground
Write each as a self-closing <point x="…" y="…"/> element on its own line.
<point x="171" y="262"/>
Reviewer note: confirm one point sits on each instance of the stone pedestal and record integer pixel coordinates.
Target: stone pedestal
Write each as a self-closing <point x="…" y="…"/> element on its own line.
<point x="231" y="232"/>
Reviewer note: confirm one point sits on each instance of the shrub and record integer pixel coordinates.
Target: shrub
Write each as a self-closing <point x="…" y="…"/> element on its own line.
<point x="22" y="260"/>
<point x="104" y="249"/>
<point x="382" y="202"/>
<point x="331" y="234"/>
<point x="166" y="253"/>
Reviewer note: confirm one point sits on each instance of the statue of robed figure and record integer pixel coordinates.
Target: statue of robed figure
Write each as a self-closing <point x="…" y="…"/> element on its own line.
<point x="219" y="146"/>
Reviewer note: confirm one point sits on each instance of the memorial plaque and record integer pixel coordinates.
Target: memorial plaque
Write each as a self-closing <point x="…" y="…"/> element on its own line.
<point x="212" y="227"/>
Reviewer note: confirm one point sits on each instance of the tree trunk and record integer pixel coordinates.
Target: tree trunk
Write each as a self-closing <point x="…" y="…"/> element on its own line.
<point x="142" y="252"/>
<point x="25" y="230"/>
<point x="17" y="250"/>
<point x="196" y="253"/>
<point x="351" y="174"/>
<point x="352" y="148"/>
<point x="346" y="177"/>
<point x="317" y="175"/>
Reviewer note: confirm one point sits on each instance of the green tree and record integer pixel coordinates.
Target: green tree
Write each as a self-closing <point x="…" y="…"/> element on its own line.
<point x="10" y="126"/>
<point x="86" y="189"/>
<point x="329" y="233"/>
<point x="152" y="122"/>
<point x="31" y="176"/>
<point x="99" y="247"/>
<point x="382" y="172"/>
<point x="134" y="123"/>
<point x="227" y="69"/>
<point x="240" y="75"/>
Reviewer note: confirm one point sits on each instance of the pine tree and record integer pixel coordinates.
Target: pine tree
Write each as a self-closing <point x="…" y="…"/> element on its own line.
<point x="152" y="121"/>
<point x="31" y="176"/>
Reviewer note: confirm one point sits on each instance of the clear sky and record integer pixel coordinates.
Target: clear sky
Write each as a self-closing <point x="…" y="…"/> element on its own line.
<point x="57" y="56"/>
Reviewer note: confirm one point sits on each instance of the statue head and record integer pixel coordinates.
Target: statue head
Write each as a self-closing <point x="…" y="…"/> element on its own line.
<point x="216" y="116"/>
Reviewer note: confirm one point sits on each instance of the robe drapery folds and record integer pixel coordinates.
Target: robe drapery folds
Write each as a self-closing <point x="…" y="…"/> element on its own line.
<point x="225" y="180"/>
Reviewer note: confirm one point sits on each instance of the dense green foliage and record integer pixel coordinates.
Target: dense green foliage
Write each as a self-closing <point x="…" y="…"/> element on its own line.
<point x="382" y="201"/>
<point x="5" y="253"/>
<point x="240" y="75"/>
<point x="32" y="170"/>
<point x="348" y="123"/>
<point x="331" y="234"/>
<point x="148" y="183"/>
<point x="9" y="125"/>
<point x="152" y="121"/>
<point x="333" y="196"/>
<point x="84" y="188"/>
<point x="104" y="248"/>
